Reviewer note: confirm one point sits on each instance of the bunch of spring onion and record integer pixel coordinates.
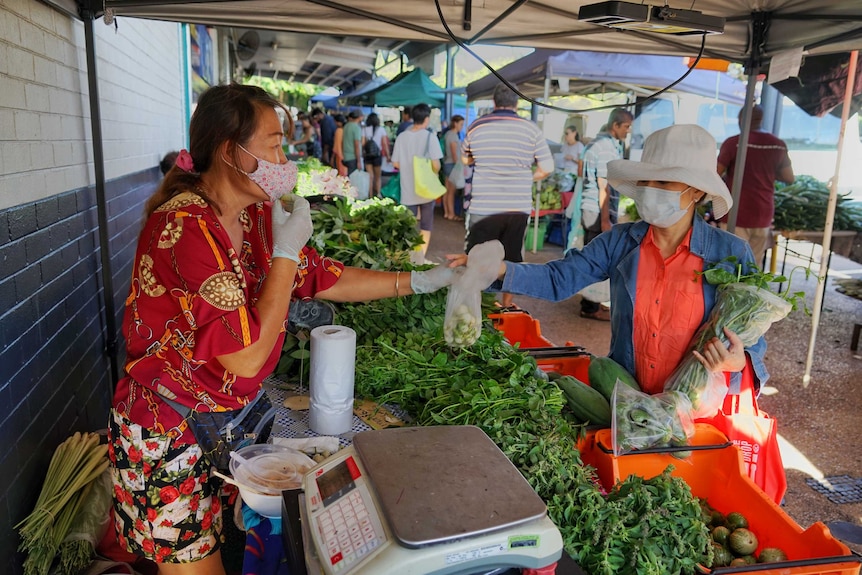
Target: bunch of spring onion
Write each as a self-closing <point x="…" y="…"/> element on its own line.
<point x="76" y="463"/>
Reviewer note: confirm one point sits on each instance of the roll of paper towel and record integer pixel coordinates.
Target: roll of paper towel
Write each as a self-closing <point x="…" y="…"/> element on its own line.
<point x="333" y="354"/>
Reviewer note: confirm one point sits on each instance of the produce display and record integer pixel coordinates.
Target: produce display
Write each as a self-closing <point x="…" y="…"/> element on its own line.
<point x="374" y="233"/>
<point x="316" y="178"/>
<point x="802" y="206"/>
<point x="548" y="190"/>
<point x="74" y="471"/>
<point x="733" y="543"/>
<point x="641" y="526"/>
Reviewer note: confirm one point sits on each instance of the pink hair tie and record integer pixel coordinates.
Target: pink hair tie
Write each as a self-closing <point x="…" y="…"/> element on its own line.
<point x="185" y="162"/>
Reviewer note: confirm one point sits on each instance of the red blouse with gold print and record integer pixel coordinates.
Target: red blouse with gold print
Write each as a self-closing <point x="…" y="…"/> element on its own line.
<point x="192" y="299"/>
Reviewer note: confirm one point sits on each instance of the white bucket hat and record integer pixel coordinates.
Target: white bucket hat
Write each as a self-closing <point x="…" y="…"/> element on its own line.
<point x="684" y="153"/>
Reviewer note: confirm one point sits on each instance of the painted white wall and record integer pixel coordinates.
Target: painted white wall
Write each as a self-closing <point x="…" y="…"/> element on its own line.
<point x="45" y="136"/>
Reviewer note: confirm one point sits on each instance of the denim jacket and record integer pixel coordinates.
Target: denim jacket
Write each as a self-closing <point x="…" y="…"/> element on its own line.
<point x="615" y="255"/>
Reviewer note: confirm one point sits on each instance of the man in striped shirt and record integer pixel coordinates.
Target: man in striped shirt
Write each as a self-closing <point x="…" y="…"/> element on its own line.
<point x="502" y="147"/>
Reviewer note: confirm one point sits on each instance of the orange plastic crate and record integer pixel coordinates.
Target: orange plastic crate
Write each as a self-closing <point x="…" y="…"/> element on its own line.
<point x="577" y="366"/>
<point x="519" y="327"/>
<point x="716" y="472"/>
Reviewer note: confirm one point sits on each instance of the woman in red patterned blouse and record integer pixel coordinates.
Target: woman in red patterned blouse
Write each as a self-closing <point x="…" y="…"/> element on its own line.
<point x="217" y="264"/>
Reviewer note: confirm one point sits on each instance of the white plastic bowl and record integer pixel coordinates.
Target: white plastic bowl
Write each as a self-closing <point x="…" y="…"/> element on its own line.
<point x="264" y="472"/>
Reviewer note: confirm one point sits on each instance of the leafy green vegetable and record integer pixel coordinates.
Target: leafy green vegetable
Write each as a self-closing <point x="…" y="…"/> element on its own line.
<point x="730" y="271"/>
<point x="646" y="527"/>
<point x="802" y="206"/>
<point x="374" y="234"/>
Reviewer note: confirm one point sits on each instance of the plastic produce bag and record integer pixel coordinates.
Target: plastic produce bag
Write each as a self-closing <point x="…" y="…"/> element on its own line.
<point x="88" y="526"/>
<point x="361" y="180"/>
<point x="705" y="390"/>
<point x="456" y="176"/>
<point x="640" y="421"/>
<point x="745" y="309"/>
<point x="463" y="323"/>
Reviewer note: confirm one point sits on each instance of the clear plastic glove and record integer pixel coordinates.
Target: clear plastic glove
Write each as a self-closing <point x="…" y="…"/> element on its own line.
<point x="290" y="231"/>
<point x="436" y="278"/>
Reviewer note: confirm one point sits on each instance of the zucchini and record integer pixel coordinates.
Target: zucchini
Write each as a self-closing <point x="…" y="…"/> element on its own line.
<point x="588" y="405"/>
<point x="604" y="373"/>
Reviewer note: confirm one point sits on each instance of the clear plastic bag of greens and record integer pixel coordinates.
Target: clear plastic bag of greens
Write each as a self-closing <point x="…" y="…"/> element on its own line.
<point x="640" y="421"/>
<point x="705" y="389"/>
<point x="744" y="309"/>
<point x="463" y="323"/>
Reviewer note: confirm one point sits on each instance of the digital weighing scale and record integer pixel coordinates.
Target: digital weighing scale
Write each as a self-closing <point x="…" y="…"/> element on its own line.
<point x="420" y="500"/>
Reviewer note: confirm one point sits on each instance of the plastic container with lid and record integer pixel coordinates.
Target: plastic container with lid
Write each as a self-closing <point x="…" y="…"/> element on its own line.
<point x="263" y="471"/>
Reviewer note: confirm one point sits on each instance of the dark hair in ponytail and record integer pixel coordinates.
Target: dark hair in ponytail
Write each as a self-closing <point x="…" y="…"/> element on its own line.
<point x="223" y="114"/>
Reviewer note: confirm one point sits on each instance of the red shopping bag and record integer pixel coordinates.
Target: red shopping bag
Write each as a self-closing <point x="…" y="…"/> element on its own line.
<point x="755" y="433"/>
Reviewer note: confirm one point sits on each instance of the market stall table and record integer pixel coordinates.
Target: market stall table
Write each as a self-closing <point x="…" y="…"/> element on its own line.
<point x="294" y="424"/>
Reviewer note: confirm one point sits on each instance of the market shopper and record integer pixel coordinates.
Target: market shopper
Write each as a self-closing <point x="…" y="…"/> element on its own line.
<point x="451" y="161"/>
<point x="658" y="297"/>
<point x="599" y="200"/>
<point x="326" y="125"/>
<point x="304" y="135"/>
<point x="374" y="132"/>
<point x="417" y="141"/>
<point x="572" y="150"/>
<point x="351" y="144"/>
<point x="337" y="146"/>
<point x="502" y="147"/>
<point x="217" y="265"/>
<point x="766" y="161"/>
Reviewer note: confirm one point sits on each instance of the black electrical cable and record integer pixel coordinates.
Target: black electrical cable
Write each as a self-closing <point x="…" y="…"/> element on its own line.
<point x="560" y="108"/>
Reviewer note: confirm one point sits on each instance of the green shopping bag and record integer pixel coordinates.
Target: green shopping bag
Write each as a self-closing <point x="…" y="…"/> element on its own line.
<point x="392" y="189"/>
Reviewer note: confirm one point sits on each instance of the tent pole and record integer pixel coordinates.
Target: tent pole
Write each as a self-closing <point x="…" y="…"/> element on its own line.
<point x="539" y="184"/>
<point x="450" y="82"/>
<point x="830" y="219"/>
<point x="101" y="201"/>
<point x="742" y="149"/>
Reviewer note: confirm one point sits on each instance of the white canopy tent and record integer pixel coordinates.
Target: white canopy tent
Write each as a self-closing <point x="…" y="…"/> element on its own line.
<point x="588" y="72"/>
<point x="755" y="31"/>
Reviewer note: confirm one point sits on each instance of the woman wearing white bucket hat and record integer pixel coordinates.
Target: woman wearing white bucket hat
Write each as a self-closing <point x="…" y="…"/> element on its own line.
<point x="657" y="299"/>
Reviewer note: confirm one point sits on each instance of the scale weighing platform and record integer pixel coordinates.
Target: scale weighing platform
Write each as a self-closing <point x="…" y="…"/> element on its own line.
<point x="417" y="501"/>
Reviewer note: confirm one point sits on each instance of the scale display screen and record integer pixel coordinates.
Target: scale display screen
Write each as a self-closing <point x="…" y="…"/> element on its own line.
<point x="336" y="482"/>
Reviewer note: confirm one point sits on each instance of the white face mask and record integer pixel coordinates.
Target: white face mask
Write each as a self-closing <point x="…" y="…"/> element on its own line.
<point x="659" y="207"/>
<point x="275" y="180"/>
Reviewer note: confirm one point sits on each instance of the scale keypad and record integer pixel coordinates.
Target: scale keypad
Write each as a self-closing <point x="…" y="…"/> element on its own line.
<point x="347" y="531"/>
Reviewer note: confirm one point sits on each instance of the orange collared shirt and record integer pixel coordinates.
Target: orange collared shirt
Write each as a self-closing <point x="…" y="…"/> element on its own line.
<point x="668" y="310"/>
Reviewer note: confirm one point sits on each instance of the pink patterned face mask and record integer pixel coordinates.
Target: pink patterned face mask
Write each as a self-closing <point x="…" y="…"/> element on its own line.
<point x="275" y="180"/>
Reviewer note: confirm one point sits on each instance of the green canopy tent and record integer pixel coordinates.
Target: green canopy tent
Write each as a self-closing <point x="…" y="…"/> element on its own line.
<point x="407" y="89"/>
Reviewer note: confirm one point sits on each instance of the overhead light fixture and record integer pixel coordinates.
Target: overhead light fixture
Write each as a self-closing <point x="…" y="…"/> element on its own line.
<point x="342" y="54"/>
<point x="647" y="18"/>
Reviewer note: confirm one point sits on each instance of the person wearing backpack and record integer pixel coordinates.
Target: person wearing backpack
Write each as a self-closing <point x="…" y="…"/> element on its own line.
<point x="375" y="148"/>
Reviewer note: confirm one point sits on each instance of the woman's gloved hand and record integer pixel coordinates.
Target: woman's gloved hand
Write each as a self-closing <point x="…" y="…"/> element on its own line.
<point x="290" y="231"/>
<point x="431" y="280"/>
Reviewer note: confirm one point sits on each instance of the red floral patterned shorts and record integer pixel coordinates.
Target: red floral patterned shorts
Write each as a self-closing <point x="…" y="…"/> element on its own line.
<point x="167" y="507"/>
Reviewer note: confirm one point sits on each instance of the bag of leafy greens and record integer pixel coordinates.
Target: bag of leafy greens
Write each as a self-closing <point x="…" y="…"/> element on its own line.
<point x="745" y="309"/>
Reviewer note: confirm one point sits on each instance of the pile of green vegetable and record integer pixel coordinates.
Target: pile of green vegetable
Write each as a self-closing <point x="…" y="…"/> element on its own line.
<point x="643" y="526"/>
<point x="374" y="233"/>
<point x="548" y="198"/>
<point x="401" y="358"/>
<point x="802" y="206"/>
<point x="733" y="543"/>
<point x="70" y="491"/>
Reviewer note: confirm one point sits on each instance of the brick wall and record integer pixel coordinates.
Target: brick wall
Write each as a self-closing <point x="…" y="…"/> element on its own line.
<point x="53" y="369"/>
